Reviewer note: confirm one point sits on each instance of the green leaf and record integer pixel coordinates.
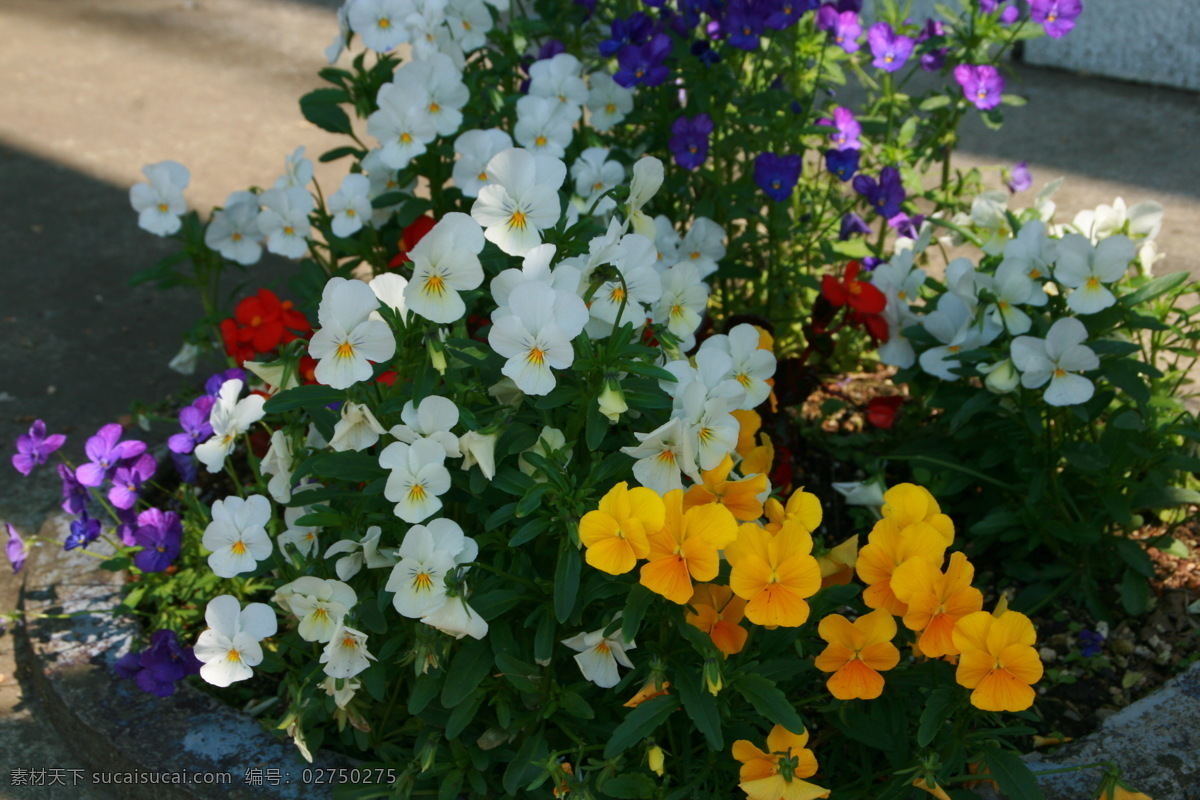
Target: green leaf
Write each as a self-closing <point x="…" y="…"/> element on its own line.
<point x="1134" y="556"/>
<point x="635" y="609"/>
<point x="596" y="427"/>
<point x="852" y="248"/>
<point x="529" y="531"/>
<point x="470" y="666"/>
<point x="1165" y="497"/>
<point x="566" y="582"/>
<point x="348" y="466"/>
<point x="116" y="564"/>
<point x="1014" y="100"/>
<point x="524" y="767"/>
<point x="512" y="481"/>
<point x="340" y="152"/>
<point x="532" y="500"/>
<point x="937" y="710"/>
<point x="1013" y="775"/>
<point x="701" y="707"/>
<point x="322" y="107"/>
<point x="1126" y="376"/>
<point x="389" y="199"/>
<point x="576" y="706"/>
<point x="934" y="102"/>
<point x="629" y="785"/>
<point x="303" y="397"/>
<point x="521" y="674"/>
<point x="770" y="702"/>
<point x="424" y="690"/>
<point x="1158" y="286"/>
<point x="1135" y="592"/>
<point x="640" y="723"/>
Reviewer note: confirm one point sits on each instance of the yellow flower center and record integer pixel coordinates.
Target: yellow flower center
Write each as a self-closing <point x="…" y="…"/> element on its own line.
<point x="517" y="220"/>
<point x="417" y="493"/>
<point x="540" y="141"/>
<point x="434" y="284"/>
<point x="611" y="108"/>
<point x="422" y="582"/>
<point x="233" y="656"/>
<point x="667" y="456"/>
<point x="482" y="176"/>
<point x="536" y="355"/>
<point x="1093" y="283"/>
<point x="162" y="207"/>
<point x="384" y="23"/>
<point x="617" y="294"/>
<point x="348" y="643"/>
<point x="434" y="108"/>
<point x="239" y="547"/>
<point x="406" y="137"/>
<point x="345" y="350"/>
<point x="289" y="231"/>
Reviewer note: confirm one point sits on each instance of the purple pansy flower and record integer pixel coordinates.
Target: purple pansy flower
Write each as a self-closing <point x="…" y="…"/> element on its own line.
<point x="550" y="49"/>
<point x="84" y="531"/>
<point x="128" y="478"/>
<point x="842" y="163"/>
<point x="1057" y="17"/>
<point x="743" y="23"/>
<point x="890" y="49"/>
<point x="196" y="428"/>
<point x="128" y="665"/>
<point x="16" y="549"/>
<point x="185" y="465"/>
<point x="704" y="51"/>
<point x="852" y="224"/>
<point x="905" y="225"/>
<point x="689" y="140"/>
<point x="1092" y="642"/>
<point x="777" y="174"/>
<point x="105" y="450"/>
<point x="75" y="495"/>
<point x="35" y="447"/>
<point x="784" y="14"/>
<point x="160" y="666"/>
<point x="645" y="63"/>
<point x="848" y="129"/>
<point x="126" y="525"/>
<point x="934" y="56"/>
<point x="843" y="26"/>
<point x="1009" y="15"/>
<point x="637" y="29"/>
<point x="1019" y="178"/>
<point x="884" y="195"/>
<point x="160" y="533"/>
<point x="981" y="84"/>
<point x="212" y="386"/>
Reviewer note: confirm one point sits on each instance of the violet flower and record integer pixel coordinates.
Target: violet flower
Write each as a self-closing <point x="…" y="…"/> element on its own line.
<point x="212" y="386"/>
<point x="848" y="129"/>
<point x="1019" y="178"/>
<point x="852" y="224"/>
<point x="1009" y="15"/>
<point x="890" y="49"/>
<point x="1092" y="643"/>
<point x="105" y="450"/>
<point x="196" y="428"/>
<point x="160" y="533"/>
<point x="126" y="525"/>
<point x="75" y="495"/>
<point x="185" y="465"/>
<point x="784" y="14"/>
<point x="981" y="84"/>
<point x="35" y="447"/>
<point x="157" y="669"/>
<point x="777" y="174"/>
<point x="842" y="26"/>
<point x="743" y="22"/>
<point x="1057" y="17"/>
<point x="842" y="163"/>
<point x="689" y="140"/>
<point x="84" y="531"/>
<point x="16" y="550"/>
<point x="644" y="64"/>
<point x="884" y="195"/>
<point x="128" y="478"/>
<point x="637" y="29"/>
<point x="905" y="225"/>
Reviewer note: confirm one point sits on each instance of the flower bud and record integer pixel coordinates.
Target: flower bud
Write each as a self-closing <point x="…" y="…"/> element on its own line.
<point x="612" y="400"/>
<point x="713" y="680"/>
<point x="479" y="449"/>
<point x="1002" y="377"/>
<point x="655" y="757"/>
<point x="437" y="355"/>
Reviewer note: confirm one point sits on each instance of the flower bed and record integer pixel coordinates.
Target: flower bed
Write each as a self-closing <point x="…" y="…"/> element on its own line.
<point x="505" y="499"/>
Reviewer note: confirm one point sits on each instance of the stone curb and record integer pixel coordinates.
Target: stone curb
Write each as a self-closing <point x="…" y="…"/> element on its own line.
<point x="113" y="725"/>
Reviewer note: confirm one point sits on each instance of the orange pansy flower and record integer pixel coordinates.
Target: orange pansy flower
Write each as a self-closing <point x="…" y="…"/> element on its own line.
<point x="857" y="652"/>
<point x="889" y="546"/>
<point x="774" y="573"/>
<point x="686" y="547"/>
<point x="932" y="788"/>
<point x="837" y="563"/>
<point x="936" y="600"/>
<point x="652" y="688"/>
<point x="749" y="423"/>
<point x="615" y="535"/>
<point x="777" y="773"/>
<point x="907" y="503"/>
<point x="802" y="506"/>
<point x="717" y="612"/>
<point x="740" y="496"/>
<point x="998" y="660"/>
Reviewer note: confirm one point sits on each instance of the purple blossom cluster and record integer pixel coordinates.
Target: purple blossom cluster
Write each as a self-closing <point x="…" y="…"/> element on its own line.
<point x="160" y="666"/>
<point x="843" y="158"/>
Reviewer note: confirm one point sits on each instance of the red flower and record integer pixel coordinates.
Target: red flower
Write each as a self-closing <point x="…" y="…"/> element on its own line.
<point x="409" y="238"/>
<point x="860" y="295"/>
<point x="882" y="411"/>
<point x="260" y="324"/>
<point x="388" y="378"/>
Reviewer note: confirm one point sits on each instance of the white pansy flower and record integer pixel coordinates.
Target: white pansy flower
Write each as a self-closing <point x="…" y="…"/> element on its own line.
<point x="954" y="325"/>
<point x="1056" y="359"/>
<point x="418" y="478"/>
<point x="537" y="334"/>
<point x="233" y="230"/>
<point x="988" y="214"/>
<point x="184" y="362"/>
<point x="542" y="126"/>
<point x="346" y="655"/>
<point x="1142" y="221"/>
<point x="237" y="535"/>
<point x="520" y="201"/>
<point x="380" y="23"/>
<point x="608" y="101"/>
<point x="297" y="170"/>
<point x="479" y="449"/>
<point x="868" y="494"/>
<point x="631" y="298"/>
<point x="389" y="288"/>
<point x="1086" y="268"/>
<point x="897" y="351"/>
<point x="432" y="419"/>
<point x="560" y="79"/>
<point x="319" y="604"/>
<point x="550" y="441"/>
<point x="357" y="554"/>
<point x="683" y="301"/>
<point x="284" y="220"/>
<point x="229" y="647"/>
<point x="348" y="339"/>
<point x="594" y="175"/>
<point x="475" y="148"/>
<point x="667" y="241"/>
<point x="427" y="29"/>
<point x="356" y="430"/>
<point x="469" y="22"/>
<point x="456" y="618"/>
<point x="1012" y="288"/>
<point x="427" y="554"/>
<point x="598" y="656"/>
<point x="751" y="366"/>
<point x="703" y="246"/>
<point x="229" y="418"/>
<point x="444" y="263"/>
<point x="899" y="276"/>
<point x="442" y="84"/>
<point x="278" y="464"/>
<point x="402" y="124"/>
<point x="534" y="267"/>
<point x="334" y="51"/>
<point x="1032" y="252"/>
<point x="647" y="180"/>
<point x="302" y="537"/>
<point x="160" y="203"/>
<point x="351" y="205"/>
<point x="712" y="430"/>
<point x="663" y="456"/>
<point x="343" y="694"/>
<point x="383" y="181"/>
